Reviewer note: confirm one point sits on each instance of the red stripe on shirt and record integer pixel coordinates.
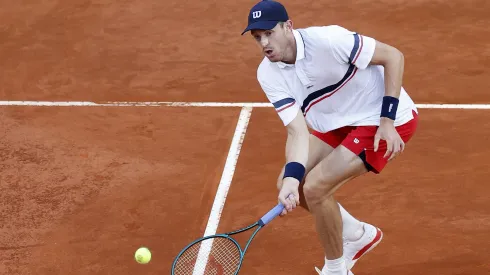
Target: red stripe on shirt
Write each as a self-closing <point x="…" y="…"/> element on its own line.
<point x="285" y="107"/>
<point x="330" y="94"/>
<point x="360" y="49"/>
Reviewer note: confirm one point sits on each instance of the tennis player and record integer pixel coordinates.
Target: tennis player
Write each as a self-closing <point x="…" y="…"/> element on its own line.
<point x="340" y="96"/>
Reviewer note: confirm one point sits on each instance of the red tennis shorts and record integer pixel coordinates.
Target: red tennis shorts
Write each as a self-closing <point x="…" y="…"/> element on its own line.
<point x="360" y="140"/>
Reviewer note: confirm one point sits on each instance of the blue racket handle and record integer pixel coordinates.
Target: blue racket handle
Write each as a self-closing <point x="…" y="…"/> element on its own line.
<point x="274" y="212"/>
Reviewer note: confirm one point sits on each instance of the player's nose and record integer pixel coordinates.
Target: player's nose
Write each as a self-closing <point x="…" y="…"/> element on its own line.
<point x="264" y="42"/>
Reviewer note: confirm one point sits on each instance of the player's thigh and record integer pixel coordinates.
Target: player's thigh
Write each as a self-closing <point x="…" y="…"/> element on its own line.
<point x="318" y="150"/>
<point x="337" y="168"/>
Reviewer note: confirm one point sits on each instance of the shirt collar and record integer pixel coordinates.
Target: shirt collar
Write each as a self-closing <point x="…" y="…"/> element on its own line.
<point x="300" y="50"/>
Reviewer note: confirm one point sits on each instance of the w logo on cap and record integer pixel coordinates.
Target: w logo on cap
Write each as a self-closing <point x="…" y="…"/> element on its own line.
<point x="265" y="15"/>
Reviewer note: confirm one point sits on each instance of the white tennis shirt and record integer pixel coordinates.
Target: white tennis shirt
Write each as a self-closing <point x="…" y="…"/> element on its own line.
<point x="330" y="82"/>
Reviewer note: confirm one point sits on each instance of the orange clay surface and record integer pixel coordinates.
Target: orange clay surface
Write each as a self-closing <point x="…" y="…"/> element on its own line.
<point x="81" y="188"/>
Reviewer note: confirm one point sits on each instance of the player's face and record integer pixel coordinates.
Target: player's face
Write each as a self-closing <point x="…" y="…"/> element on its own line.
<point x="274" y="42"/>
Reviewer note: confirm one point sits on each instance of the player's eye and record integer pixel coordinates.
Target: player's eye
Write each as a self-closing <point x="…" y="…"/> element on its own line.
<point x="268" y="33"/>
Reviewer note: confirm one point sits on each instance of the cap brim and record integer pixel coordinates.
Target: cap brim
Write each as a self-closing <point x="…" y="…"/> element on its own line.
<point x="261" y="25"/>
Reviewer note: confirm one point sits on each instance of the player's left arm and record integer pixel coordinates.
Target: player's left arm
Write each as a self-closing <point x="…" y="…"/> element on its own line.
<point x="361" y="51"/>
<point x="393" y="62"/>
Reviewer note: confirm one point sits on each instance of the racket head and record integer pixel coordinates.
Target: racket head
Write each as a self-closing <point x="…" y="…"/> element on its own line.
<point x="212" y="255"/>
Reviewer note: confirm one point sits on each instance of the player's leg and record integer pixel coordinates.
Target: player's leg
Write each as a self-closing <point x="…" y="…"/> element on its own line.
<point x="321" y="145"/>
<point x="354" y="234"/>
<point x="354" y="157"/>
<point x="331" y="173"/>
<point x="318" y="150"/>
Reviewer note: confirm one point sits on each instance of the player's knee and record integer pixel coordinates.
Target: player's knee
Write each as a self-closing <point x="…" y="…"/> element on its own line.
<point x="314" y="193"/>
<point x="317" y="188"/>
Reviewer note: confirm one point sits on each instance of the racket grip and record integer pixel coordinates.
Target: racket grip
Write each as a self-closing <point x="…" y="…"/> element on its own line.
<point x="274" y="212"/>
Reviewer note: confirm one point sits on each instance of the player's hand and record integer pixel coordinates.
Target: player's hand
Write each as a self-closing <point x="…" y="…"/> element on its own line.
<point x="289" y="195"/>
<point x="394" y="143"/>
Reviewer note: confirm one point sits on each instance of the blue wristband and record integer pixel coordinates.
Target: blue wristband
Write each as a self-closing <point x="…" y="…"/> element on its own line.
<point x="295" y="170"/>
<point x="389" y="107"/>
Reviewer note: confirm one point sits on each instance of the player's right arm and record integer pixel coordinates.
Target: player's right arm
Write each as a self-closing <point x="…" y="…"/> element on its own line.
<point x="298" y="140"/>
<point x="296" y="151"/>
<point x="297" y="147"/>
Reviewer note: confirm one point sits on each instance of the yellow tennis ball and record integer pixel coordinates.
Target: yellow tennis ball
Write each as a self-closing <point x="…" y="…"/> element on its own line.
<point x="142" y="255"/>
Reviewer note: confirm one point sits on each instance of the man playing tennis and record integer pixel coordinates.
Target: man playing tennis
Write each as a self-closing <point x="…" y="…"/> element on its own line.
<point x="347" y="88"/>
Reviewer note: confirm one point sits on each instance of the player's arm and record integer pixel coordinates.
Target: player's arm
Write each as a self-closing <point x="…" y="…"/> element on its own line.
<point x="361" y="51"/>
<point x="297" y="141"/>
<point x="393" y="62"/>
<point x="297" y="144"/>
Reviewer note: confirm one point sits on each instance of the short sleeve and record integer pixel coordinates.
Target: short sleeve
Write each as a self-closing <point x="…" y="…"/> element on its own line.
<point x="285" y="105"/>
<point x="352" y="48"/>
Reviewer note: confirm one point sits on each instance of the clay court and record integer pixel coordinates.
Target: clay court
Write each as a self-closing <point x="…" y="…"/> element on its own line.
<point x="86" y="179"/>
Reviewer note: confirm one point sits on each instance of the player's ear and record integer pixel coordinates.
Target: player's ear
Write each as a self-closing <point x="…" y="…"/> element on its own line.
<point x="288" y="25"/>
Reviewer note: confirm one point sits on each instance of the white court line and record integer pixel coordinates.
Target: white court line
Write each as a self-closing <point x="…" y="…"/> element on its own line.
<point x="133" y="103"/>
<point x="200" y="104"/>
<point x="223" y="188"/>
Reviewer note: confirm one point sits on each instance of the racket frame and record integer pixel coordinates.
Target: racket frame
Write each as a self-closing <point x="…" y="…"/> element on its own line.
<point x="259" y="224"/>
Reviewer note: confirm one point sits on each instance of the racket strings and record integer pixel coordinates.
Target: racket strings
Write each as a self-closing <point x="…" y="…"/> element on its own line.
<point x="215" y="256"/>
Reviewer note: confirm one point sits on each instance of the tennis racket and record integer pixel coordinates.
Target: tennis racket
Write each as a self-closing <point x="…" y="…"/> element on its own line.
<point x="218" y="254"/>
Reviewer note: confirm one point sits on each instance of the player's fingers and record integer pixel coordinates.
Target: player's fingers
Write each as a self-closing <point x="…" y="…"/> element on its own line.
<point x="400" y="147"/>
<point x="290" y="204"/>
<point x="293" y="197"/>
<point x="376" y="143"/>
<point x="283" y="213"/>
<point x="396" y="150"/>
<point x="284" y="202"/>
<point x="296" y="197"/>
<point x="392" y="156"/>
<point x="292" y="201"/>
<point x="389" y="148"/>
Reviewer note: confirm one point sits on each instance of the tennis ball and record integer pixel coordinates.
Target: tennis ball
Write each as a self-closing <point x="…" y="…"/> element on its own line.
<point x="142" y="255"/>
